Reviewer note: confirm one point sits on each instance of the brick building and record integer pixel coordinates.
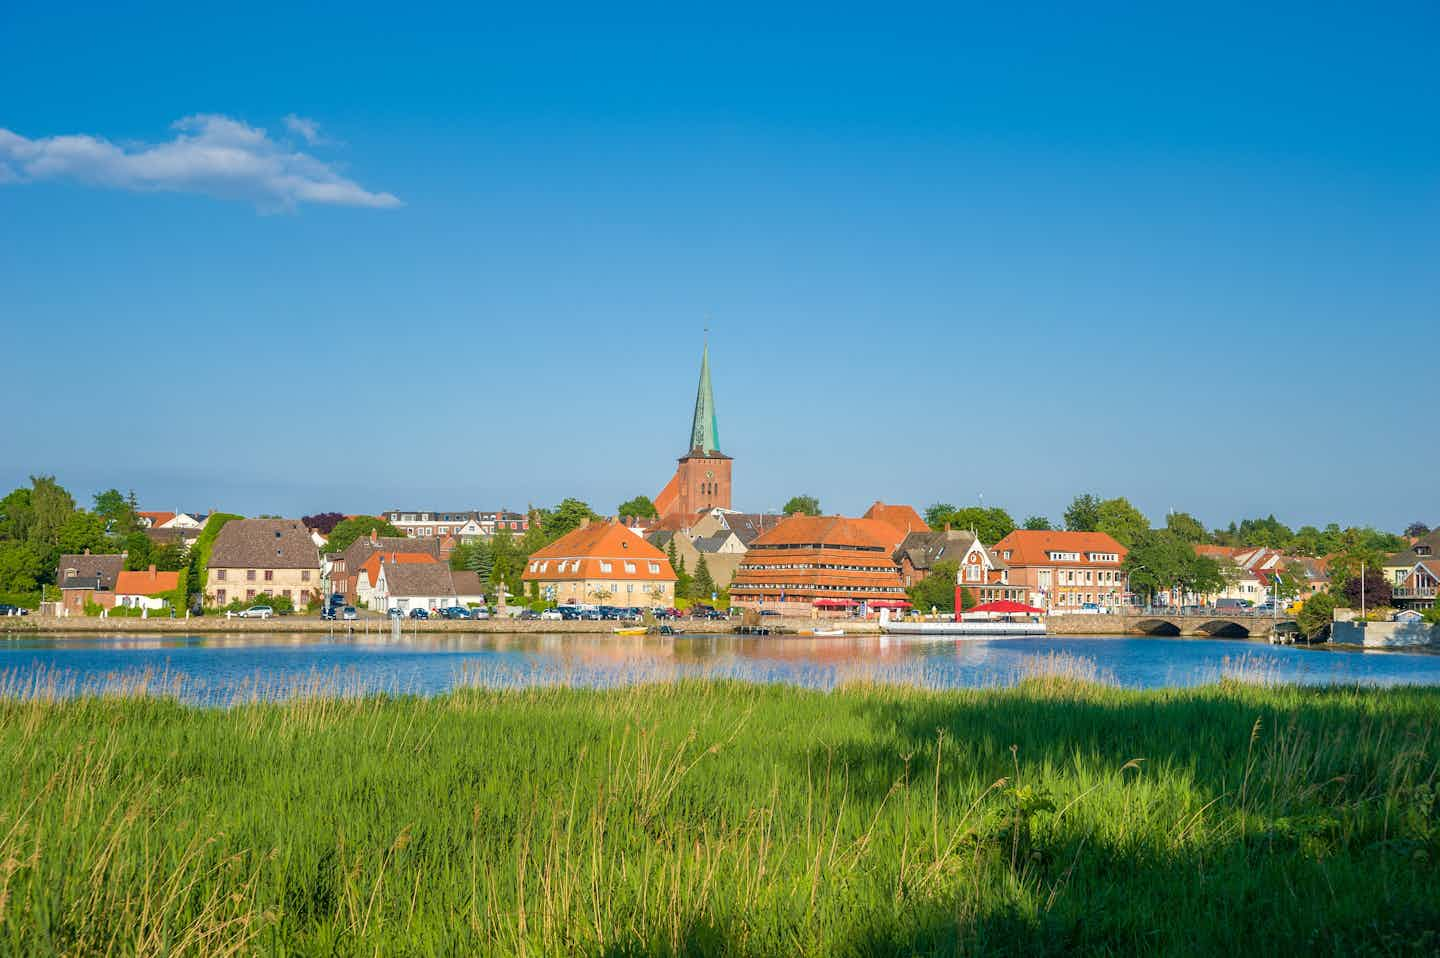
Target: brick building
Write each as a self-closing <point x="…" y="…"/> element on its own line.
<point x="820" y="564"/>
<point x="702" y="478"/>
<point x="1063" y="571"/>
<point x="602" y="563"/>
<point x="253" y="558"/>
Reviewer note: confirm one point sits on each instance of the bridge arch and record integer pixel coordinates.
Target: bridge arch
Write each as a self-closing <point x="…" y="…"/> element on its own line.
<point x="1157" y="627"/>
<point x="1223" y="629"/>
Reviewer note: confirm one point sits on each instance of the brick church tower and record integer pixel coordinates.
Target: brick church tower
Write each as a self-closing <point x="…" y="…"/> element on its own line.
<point x="702" y="479"/>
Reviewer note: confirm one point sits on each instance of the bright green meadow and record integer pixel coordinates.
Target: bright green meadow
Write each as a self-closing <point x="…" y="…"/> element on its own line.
<point x="698" y="818"/>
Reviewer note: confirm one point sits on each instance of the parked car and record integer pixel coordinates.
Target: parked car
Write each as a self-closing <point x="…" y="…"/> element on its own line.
<point x="395" y="613"/>
<point x="327" y="614"/>
<point x="526" y="615"/>
<point x="336" y="600"/>
<point x="419" y="614"/>
<point x="701" y="611"/>
<point x="349" y="614"/>
<point x="769" y="612"/>
<point x="453" y="612"/>
<point x="1231" y="605"/>
<point x="482" y="613"/>
<point x="257" y="612"/>
<point x="552" y="615"/>
<point x="8" y="609"/>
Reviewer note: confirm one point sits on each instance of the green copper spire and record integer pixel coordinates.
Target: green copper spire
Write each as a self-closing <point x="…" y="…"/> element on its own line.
<point x="705" y="431"/>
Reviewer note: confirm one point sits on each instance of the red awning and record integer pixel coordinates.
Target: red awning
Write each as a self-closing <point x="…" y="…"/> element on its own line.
<point x="890" y="604"/>
<point x="833" y="603"/>
<point x="1006" y="607"/>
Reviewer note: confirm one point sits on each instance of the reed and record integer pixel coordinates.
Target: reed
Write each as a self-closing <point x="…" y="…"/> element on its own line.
<point x="1051" y="814"/>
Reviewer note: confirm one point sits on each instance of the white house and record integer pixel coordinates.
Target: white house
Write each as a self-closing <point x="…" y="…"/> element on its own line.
<point x="144" y="589"/>
<point x="423" y="585"/>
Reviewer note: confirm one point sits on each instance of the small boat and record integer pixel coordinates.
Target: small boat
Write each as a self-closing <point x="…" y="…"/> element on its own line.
<point x="828" y="633"/>
<point x="632" y="630"/>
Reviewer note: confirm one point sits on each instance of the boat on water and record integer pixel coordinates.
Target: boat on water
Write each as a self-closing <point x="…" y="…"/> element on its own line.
<point x="631" y="630"/>
<point x="973" y="628"/>
<point x="828" y="633"/>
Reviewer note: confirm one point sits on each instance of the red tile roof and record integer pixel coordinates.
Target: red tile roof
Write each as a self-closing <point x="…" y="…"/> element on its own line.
<point x="830" y="531"/>
<point x="1032" y="547"/>
<point x="371" y="566"/>
<point x="579" y="554"/>
<point x="157" y="519"/>
<point x="904" y="519"/>
<point x="146" y="582"/>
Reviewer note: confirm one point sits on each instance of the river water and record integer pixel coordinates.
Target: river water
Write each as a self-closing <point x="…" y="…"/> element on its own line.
<point x="218" y="669"/>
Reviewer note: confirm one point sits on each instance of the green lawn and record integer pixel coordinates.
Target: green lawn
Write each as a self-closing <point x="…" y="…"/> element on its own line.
<point x="721" y="818"/>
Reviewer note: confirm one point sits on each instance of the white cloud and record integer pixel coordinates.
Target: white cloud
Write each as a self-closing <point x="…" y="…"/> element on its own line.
<point x="303" y="127"/>
<point x="209" y="154"/>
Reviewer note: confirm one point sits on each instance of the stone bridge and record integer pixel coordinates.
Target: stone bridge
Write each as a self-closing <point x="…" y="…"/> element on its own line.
<point x="1215" y="625"/>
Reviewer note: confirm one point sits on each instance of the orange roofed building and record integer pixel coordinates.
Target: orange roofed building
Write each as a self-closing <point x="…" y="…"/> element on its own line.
<point x="903" y="519"/>
<point x="601" y="563"/>
<point x="821" y="563"/>
<point x="144" y="588"/>
<point x="1065" y="571"/>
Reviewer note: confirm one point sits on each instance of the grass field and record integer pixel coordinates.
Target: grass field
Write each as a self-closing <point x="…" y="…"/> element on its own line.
<point x="721" y="818"/>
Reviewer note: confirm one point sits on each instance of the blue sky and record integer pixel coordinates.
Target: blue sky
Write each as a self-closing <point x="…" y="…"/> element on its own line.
<point x="1186" y="257"/>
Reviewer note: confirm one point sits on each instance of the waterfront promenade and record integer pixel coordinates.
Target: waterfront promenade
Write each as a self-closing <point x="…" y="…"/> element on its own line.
<point x="1138" y="623"/>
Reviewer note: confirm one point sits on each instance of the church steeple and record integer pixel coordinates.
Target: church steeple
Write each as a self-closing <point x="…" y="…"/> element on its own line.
<point x="705" y="431"/>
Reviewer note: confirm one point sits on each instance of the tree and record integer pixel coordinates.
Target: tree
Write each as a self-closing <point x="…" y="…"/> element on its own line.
<point x="702" y="586"/>
<point x="348" y="530"/>
<point x="81" y="531"/>
<point x="1121" y="521"/>
<point x="22" y="567"/>
<point x="323" y="522"/>
<point x="1036" y="524"/>
<point x="639" y="507"/>
<point x="117" y="512"/>
<point x="52" y="505"/>
<point x="1186" y="527"/>
<point x="1432" y="614"/>
<point x="506" y="562"/>
<point x="17" y="516"/>
<point x="936" y="590"/>
<point x="1083" y="514"/>
<point x="1316" y="614"/>
<point x="1377" y="590"/>
<point x="1290" y="582"/>
<point x="567" y="517"/>
<point x="683" y="580"/>
<point x="1160" y="560"/>
<point x="1417" y="530"/>
<point x="805" y="505"/>
<point x="935" y="515"/>
<point x="991" y="525"/>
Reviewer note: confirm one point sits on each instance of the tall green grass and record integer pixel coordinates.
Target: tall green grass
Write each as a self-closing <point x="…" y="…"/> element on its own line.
<point x="722" y="818"/>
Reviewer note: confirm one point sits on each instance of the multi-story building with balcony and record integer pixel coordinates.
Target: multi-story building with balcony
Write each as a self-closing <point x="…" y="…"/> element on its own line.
<point x="463" y="525"/>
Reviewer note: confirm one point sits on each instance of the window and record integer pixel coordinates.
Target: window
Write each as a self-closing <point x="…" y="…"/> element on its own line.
<point x="249" y="575"/>
<point x="269" y="575"/>
<point x="249" y="594"/>
<point x="654" y="568"/>
<point x="630" y="568"/>
<point x="219" y="575"/>
<point x="220" y="596"/>
<point x="604" y="566"/>
<point x="304" y="575"/>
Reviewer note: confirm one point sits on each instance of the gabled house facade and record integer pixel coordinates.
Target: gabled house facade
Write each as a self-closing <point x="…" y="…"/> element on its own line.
<point x="1065" y="571"/>
<point x="601" y="563"/>
<point x="88" y="578"/>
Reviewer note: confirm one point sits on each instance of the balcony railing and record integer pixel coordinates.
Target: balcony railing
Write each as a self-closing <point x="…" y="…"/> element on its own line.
<point x="1412" y="592"/>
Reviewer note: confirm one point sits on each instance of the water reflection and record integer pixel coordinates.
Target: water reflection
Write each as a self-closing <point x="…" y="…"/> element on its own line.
<point x="220" y="668"/>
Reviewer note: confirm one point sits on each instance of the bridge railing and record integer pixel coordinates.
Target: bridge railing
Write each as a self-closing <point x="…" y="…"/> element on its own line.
<point x="1195" y="611"/>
